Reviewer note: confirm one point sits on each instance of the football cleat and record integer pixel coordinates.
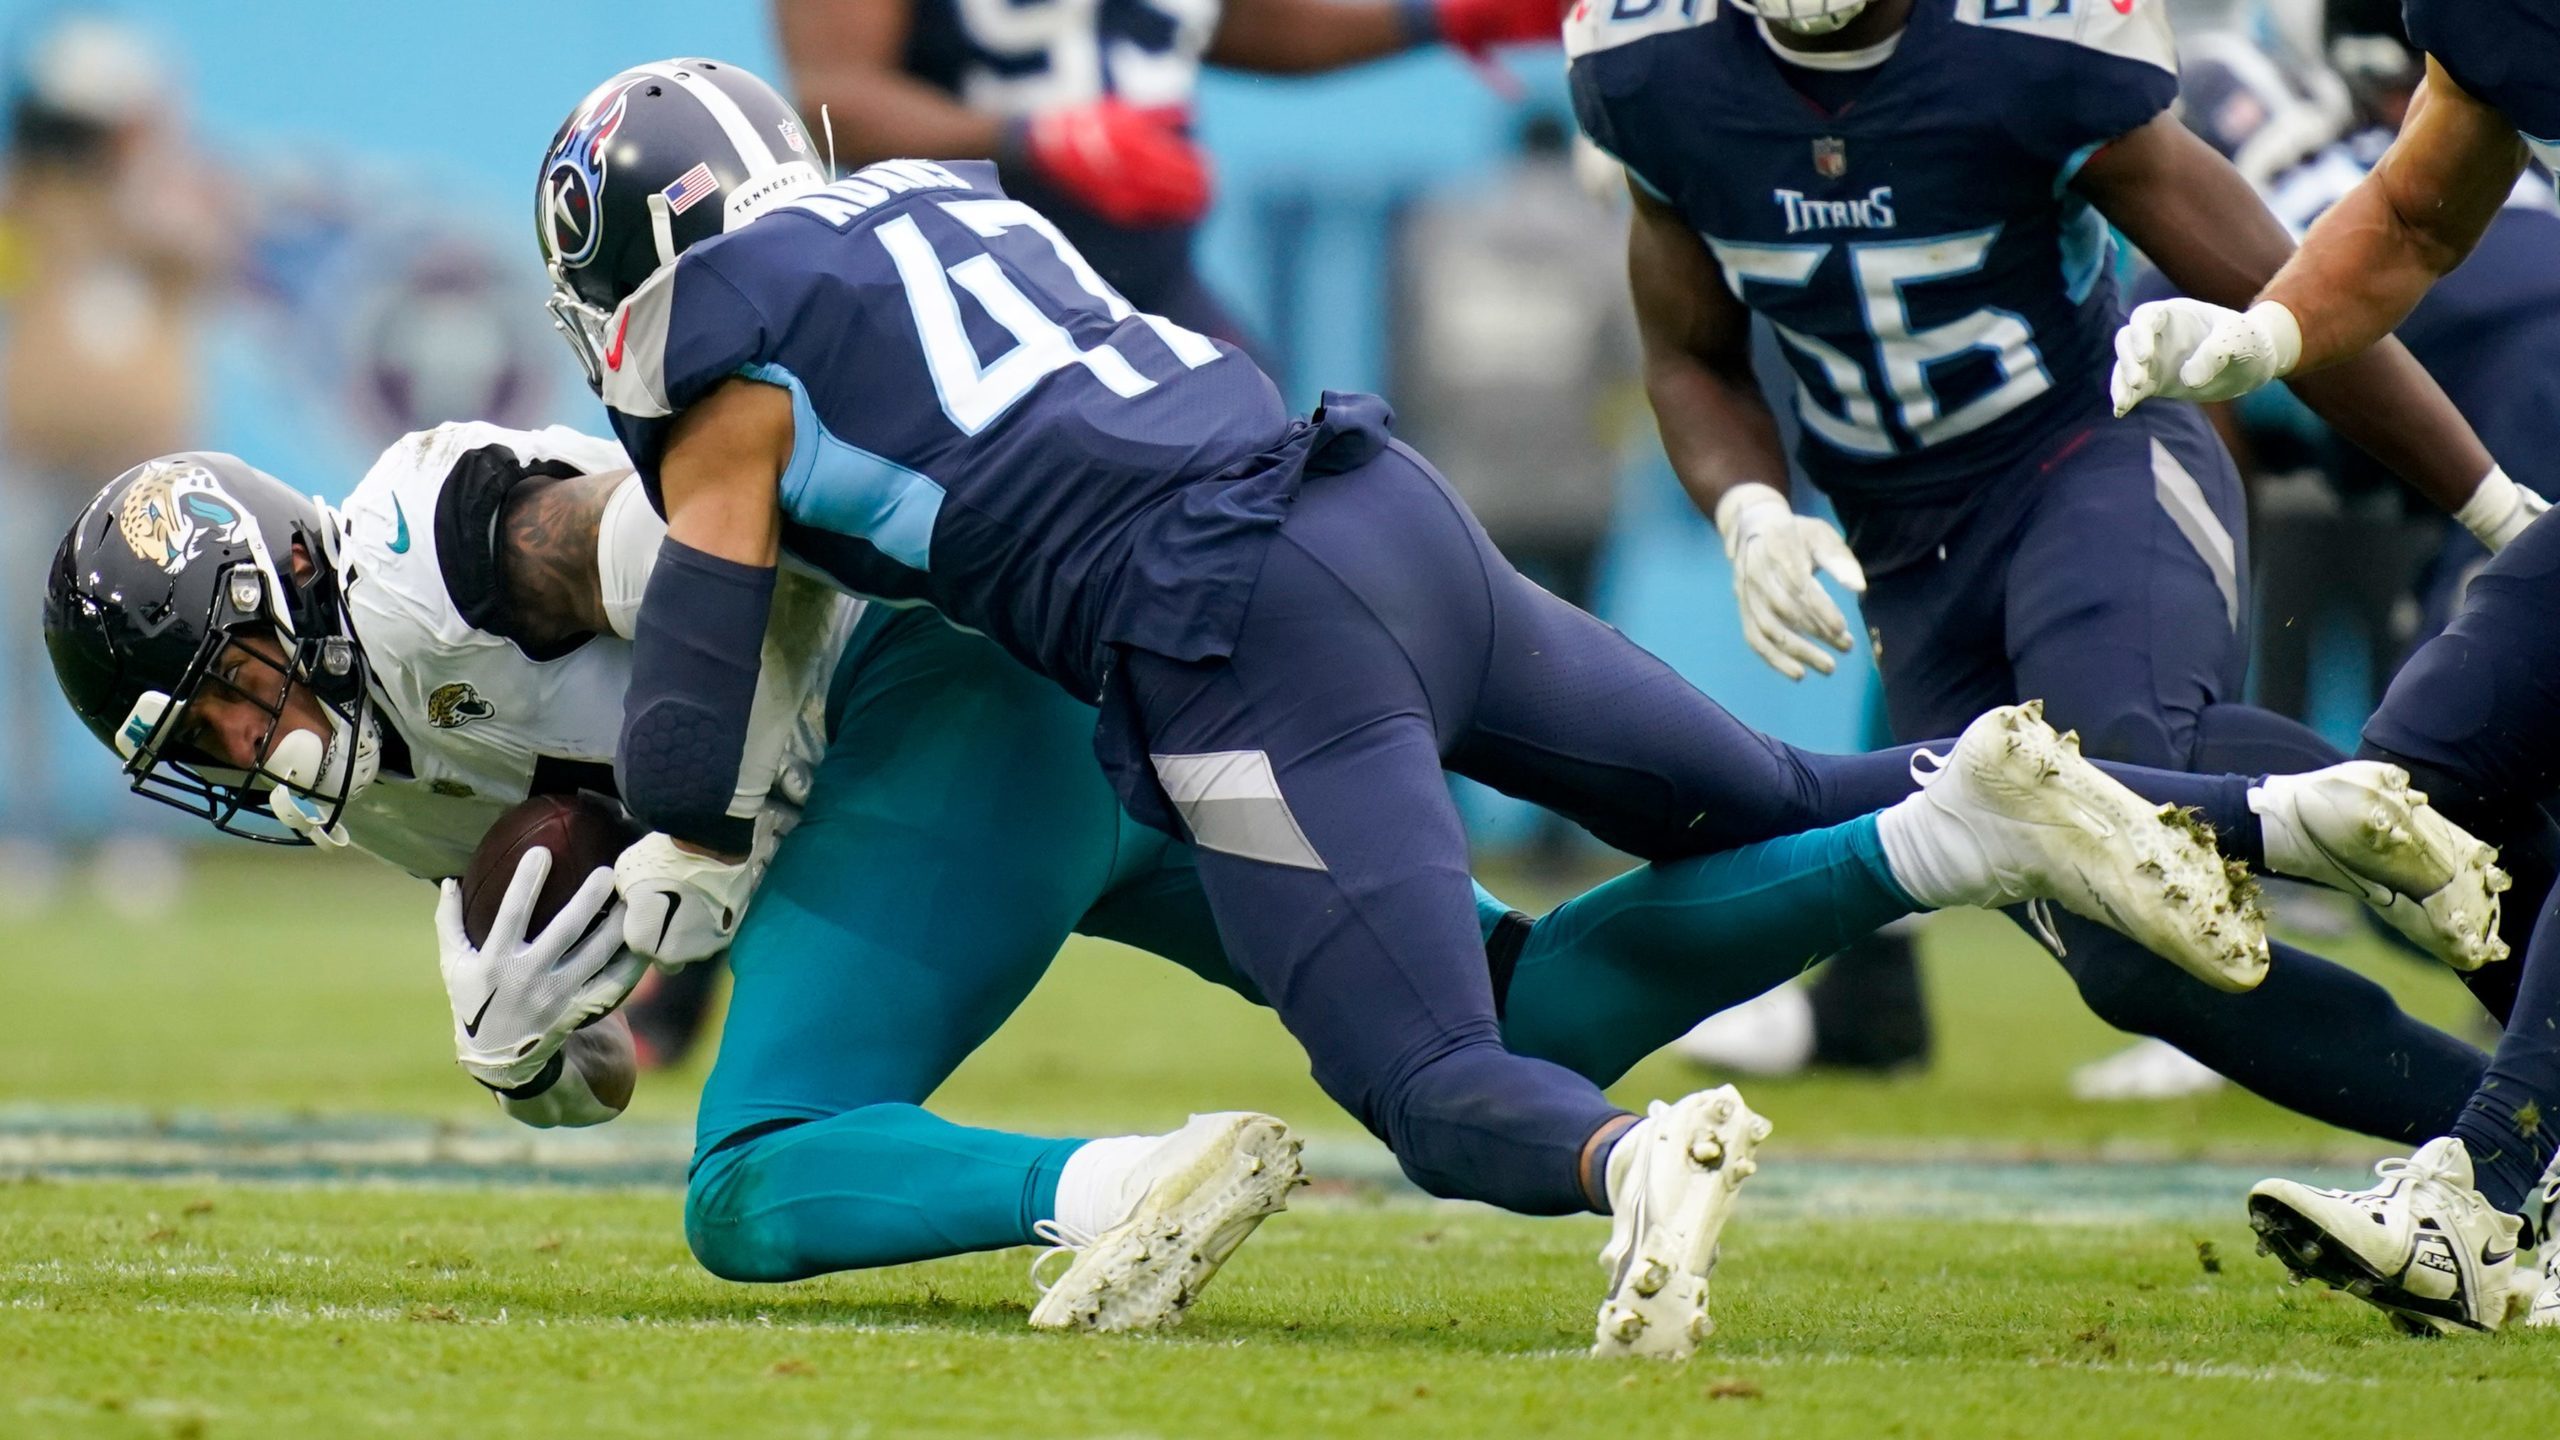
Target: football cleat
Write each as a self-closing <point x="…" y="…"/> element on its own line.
<point x="2423" y="1246"/>
<point x="1669" y="1201"/>
<point x="1769" y="1034"/>
<point x="2144" y="1070"/>
<point x="1215" y="1180"/>
<point x="2053" y="827"/>
<point x="2358" y="827"/>
<point x="2540" y="1296"/>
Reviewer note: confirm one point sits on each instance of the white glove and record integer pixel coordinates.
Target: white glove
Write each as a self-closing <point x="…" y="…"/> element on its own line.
<point x="1775" y="553"/>
<point x="516" y="1000"/>
<point x="2499" y="510"/>
<point x="680" y="907"/>
<point x="2189" y="350"/>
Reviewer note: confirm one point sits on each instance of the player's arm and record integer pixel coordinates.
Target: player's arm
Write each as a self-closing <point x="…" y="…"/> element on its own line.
<point x="1301" y="37"/>
<point x="848" y="55"/>
<point x="1133" y="166"/>
<point x="696" y="654"/>
<point x="2187" y="209"/>
<point x="2367" y="263"/>
<point x="1724" y="445"/>
<point x="590" y="1080"/>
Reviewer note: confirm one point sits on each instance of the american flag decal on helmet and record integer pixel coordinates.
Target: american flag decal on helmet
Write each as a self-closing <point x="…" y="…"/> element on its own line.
<point x="690" y="188"/>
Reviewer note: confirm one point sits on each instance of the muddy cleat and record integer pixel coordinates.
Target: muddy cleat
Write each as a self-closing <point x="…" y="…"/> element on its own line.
<point x="1215" y="1180"/>
<point x="2539" y="1296"/>
<point x="2050" y="826"/>
<point x="2358" y="827"/>
<point x="1672" y="1180"/>
<point x="2423" y="1246"/>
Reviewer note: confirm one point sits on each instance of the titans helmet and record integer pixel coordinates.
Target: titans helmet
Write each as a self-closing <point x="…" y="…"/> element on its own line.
<point x="174" y="560"/>
<point x="654" y="161"/>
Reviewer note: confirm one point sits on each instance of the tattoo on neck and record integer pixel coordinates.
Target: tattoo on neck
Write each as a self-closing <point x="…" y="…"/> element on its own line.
<point x="547" y="559"/>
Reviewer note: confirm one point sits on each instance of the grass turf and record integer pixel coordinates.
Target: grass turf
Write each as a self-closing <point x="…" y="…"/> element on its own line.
<point x="302" y="984"/>
<point x="191" y="1310"/>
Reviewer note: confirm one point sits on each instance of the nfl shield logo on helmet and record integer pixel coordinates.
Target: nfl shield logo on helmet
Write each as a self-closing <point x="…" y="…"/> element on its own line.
<point x="1831" y="157"/>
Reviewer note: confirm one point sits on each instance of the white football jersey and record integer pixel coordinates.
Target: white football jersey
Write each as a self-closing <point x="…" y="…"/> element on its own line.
<point x="477" y="714"/>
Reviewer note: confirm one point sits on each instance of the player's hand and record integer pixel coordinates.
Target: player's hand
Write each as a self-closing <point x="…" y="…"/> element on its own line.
<point x="1775" y="554"/>
<point x="1132" y="165"/>
<point x="2189" y="350"/>
<point x="680" y="906"/>
<point x="2500" y="510"/>
<point x="1475" y="26"/>
<point x="515" y="999"/>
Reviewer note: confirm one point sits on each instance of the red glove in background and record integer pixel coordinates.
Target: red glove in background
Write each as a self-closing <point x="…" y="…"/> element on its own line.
<point x="1476" y="25"/>
<point x="1131" y="166"/>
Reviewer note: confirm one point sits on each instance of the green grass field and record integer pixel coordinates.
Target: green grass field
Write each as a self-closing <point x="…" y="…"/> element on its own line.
<point x="1877" y="1282"/>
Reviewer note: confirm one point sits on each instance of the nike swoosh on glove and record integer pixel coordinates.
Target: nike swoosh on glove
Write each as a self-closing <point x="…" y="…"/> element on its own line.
<point x="1130" y="165"/>
<point x="515" y="998"/>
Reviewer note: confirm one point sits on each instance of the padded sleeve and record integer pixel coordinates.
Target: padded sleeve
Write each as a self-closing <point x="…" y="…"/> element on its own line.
<point x="694" y="666"/>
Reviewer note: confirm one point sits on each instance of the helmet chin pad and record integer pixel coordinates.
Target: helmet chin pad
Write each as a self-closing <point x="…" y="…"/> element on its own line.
<point x="1804" y="17"/>
<point x="303" y="770"/>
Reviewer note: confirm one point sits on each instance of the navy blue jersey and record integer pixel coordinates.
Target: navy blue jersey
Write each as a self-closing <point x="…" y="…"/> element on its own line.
<point x="2506" y="53"/>
<point x="980" y="423"/>
<point x="1946" y="301"/>
<point x="1017" y="58"/>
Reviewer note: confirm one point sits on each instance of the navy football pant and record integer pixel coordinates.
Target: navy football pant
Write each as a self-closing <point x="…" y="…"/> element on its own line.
<point x="2109" y="580"/>
<point x="1387" y="639"/>
<point x="2475" y="716"/>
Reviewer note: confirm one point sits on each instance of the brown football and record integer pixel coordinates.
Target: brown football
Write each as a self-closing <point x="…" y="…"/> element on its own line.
<point x="582" y="833"/>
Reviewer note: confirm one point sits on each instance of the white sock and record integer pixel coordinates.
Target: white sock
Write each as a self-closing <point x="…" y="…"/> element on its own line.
<point x="1622" y="1153"/>
<point x="1934" y="858"/>
<point x="1099" y="1185"/>
<point x="2288" y="850"/>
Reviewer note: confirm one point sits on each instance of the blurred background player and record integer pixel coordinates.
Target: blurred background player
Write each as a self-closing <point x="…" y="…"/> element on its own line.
<point x="112" y="229"/>
<point x="1515" y="369"/>
<point x="1086" y="105"/>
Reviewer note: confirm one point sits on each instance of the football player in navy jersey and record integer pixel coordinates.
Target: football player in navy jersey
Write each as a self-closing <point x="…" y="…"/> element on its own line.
<point x="1916" y="193"/>
<point x="1085" y="105"/>
<point x="2476" y="712"/>
<point x="915" y="387"/>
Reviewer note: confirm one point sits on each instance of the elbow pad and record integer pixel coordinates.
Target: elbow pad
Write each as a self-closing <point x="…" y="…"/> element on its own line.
<point x="695" y="653"/>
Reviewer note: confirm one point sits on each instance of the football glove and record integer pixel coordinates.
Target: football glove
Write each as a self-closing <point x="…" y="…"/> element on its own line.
<point x="516" y="999"/>
<point x="1476" y="26"/>
<point x="2189" y="350"/>
<point x="680" y="907"/>
<point x="2499" y="510"/>
<point x="1775" y="553"/>
<point x="1130" y="165"/>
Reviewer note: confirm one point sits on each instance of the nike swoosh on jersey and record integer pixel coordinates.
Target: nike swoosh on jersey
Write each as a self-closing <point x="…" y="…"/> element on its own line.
<point x="400" y="541"/>
<point x="613" y="352"/>
<point x="471" y="1027"/>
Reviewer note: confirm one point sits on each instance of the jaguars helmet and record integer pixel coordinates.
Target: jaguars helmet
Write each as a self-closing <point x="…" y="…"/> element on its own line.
<point x="654" y="161"/>
<point x="172" y="561"/>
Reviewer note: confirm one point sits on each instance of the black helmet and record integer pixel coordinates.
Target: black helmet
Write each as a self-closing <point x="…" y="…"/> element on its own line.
<point x="652" y="162"/>
<point x="174" y="559"/>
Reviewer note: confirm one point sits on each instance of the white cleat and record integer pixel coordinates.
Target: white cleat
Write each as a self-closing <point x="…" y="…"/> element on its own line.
<point x="1215" y="1179"/>
<point x="2358" y="827"/>
<point x="2541" y="1295"/>
<point x="2144" y="1070"/>
<point x="1767" y="1035"/>
<point x="2054" y="827"/>
<point x="2423" y="1246"/>
<point x="1670" y="1200"/>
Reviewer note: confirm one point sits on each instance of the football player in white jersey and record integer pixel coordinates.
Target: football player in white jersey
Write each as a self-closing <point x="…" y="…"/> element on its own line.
<point x="396" y="674"/>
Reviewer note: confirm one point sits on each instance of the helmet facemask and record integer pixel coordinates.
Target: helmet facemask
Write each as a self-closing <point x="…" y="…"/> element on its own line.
<point x="297" y="790"/>
<point x="1804" y="17"/>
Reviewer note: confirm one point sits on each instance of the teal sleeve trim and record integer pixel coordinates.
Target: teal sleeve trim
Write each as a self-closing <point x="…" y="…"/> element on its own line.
<point x="842" y="488"/>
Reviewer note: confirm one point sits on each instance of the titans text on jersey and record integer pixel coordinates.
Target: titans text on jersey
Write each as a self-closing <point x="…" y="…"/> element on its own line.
<point x="1945" y="300"/>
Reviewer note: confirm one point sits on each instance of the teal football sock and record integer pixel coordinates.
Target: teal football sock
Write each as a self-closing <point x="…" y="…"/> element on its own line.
<point x="1614" y="974"/>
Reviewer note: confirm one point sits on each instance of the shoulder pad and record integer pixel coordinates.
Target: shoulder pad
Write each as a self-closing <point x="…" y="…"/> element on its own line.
<point x="1595" y="25"/>
<point x="2135" y="30"/>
